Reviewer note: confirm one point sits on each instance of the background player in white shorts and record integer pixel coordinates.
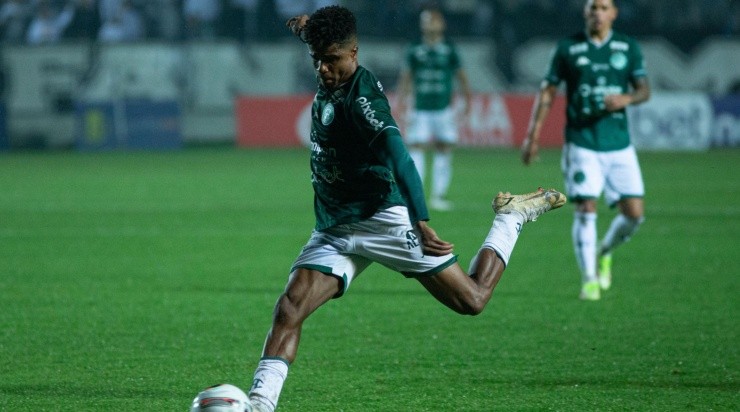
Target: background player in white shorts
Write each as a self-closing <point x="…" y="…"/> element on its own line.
<point x="430" y="68"/>
<point x="598" y="66"/>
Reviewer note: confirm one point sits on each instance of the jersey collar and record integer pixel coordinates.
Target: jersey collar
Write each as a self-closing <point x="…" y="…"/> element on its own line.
<point x="596" y="44"/>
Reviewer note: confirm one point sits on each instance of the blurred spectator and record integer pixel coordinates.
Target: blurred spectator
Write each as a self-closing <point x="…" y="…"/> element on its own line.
<point x="86" y="21"/>
<point x="47" y="25"/>
<point x="109" y="8"/>
<point x="201" y="17"/>
<point x="124" y="26"/>
<point x="14" y="16"/>
<point x="248" y="26"/>
<point x="290" y="8"/>
<point x="164" y="19"/>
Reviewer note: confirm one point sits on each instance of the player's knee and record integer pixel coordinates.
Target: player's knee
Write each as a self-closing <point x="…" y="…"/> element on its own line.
<point x="472" y="306"/>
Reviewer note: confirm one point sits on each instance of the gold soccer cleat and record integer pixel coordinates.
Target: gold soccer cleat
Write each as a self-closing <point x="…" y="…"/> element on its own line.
<point x="529" y="205"/>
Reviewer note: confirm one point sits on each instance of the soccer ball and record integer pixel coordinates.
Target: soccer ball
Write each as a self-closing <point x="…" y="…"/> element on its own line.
<point x="221" y="398"/>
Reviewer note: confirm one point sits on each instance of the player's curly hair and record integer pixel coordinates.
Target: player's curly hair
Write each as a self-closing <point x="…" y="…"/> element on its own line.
<point x="329" y="25"/>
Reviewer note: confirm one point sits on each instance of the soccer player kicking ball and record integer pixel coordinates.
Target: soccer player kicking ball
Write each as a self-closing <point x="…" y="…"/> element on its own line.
<point x="598" y="66"/>
<point x="370" y="207"/>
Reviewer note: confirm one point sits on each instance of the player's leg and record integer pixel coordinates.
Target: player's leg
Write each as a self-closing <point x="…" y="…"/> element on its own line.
<point x="464" y="293"/>
<point x="625" y="188"/>
<point x="306" y="291"/>
<point x="418" y="137"/>
<point x="323" y="270"/>
<point x="468" y="293"/>
<point x="584" y="235"/>
<point x="584" y="179"/>
<point x="445" y="131"/>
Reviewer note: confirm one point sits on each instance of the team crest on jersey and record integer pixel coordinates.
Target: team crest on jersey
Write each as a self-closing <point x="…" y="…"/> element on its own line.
<point x="327" y="115"/>
<point x="618" y="61"/>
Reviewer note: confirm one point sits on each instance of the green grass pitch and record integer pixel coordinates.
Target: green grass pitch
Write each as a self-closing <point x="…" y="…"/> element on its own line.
<point x="129" y="281"/>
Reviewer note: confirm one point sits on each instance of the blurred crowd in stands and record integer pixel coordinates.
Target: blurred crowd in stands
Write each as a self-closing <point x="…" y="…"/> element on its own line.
<point x="509" y="22"/>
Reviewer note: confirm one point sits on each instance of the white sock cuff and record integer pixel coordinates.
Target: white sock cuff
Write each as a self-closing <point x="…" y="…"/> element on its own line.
<point x="585" y="216"/>
<point x="268" y="381"/>
<point x="503" y="235"/>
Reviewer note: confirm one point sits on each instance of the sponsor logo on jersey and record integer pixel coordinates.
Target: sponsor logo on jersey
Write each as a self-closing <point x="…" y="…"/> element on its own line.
<point x="618" y="60"/>
<point x="619" y="45"/>
<point x="583" y="61"/>
<point x="369" y="113"/>
<point x="380" y="86"/>
<point x="578" y="48"/>
<point x="327" y="115"/>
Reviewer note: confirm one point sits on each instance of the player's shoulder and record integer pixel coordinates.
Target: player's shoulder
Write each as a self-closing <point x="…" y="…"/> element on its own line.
<point x="415" y="46"/>
<point x="621" y="36"/>
<point x="623" y="42"/>
<point x="573" y="42"/>
<point x="364" y="83"/>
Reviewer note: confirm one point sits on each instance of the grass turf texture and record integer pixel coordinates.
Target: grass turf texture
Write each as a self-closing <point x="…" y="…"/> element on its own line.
<point x="129" y="281"/>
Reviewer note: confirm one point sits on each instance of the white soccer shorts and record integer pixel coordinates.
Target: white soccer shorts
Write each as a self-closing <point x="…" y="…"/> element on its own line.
<point x="427" y="126"/>
<point x="589" y="173"/>
<point x="387" y="238"/>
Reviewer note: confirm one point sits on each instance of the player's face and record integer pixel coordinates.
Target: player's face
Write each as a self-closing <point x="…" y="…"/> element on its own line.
<point x="336" y="64"/>
<point x="600" y="15"/>
<point x="431" y="22"/>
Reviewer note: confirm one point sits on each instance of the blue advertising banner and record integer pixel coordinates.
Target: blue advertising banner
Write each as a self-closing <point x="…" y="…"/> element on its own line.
<point x="95" y="126"/>
<point x="138" y="124"/>
<point x="4" y="140"/>
<point x="726" y="124"/>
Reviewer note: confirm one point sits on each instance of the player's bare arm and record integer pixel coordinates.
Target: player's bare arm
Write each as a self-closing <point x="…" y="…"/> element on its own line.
<point x="430" y="242"/>
<point x="462" y="79"/>
<point x="542" y="105"/>
<point x="404" y="91"/>
<point x="640" y="94"/>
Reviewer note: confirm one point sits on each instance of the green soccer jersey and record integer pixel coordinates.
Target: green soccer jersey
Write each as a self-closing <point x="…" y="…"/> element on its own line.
<point x="433" y="69"/>
<point x="591" y="72"/>
<point x="358" y="162"/>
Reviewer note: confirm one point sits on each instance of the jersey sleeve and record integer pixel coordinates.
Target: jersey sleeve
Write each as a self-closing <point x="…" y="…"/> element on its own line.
<point x="555" y="72"/>
<point x="390" y="150"/>
<point x="370" y="111"/>
<point x="637" y="61"/>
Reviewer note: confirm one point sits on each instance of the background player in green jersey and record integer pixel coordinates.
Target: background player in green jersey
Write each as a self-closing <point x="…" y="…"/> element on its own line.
<point x="598" y="66"/>
<point x="370" y="206"/>
<point x="430" y="69"/>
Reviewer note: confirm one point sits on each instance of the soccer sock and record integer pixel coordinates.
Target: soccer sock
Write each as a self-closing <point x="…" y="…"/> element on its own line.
<point x="584" y="244"/>
<point x="441" y="173"/>
<point x="417" y="155"/>
<point x="620" y="231"/>
<point x="268" y="382"/>
<point x="503" y="236"/>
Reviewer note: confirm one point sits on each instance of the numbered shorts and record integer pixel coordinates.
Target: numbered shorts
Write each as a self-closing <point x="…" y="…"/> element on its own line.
<point x="428" y="126"/>
<point x="387" y="238"/>
<point x="589" y="173"/>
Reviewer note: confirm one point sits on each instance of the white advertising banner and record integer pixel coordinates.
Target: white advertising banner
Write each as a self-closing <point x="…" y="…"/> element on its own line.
<point x="672" y="121"/>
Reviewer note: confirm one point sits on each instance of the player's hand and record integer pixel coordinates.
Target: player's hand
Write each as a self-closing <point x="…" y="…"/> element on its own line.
<point x="431" y="244"/>
<point x="297" y="23"/>
<point x="614" y="102"/>
<point x="530" y="150"/>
